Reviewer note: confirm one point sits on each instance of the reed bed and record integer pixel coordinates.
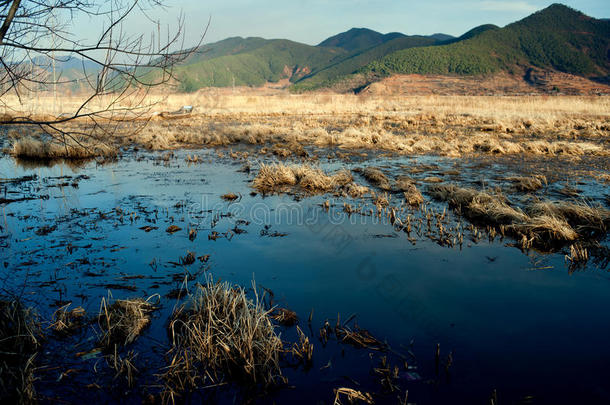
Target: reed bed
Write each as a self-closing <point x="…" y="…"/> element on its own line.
<point x="277" y="177"/>
<point x="582" y="215"/>
<point x="376" y="177"/>
<point x="221" y="335"/>
<point x="72" y="149"/>
<point x="528" y="184"/>
<point x="20" y="335"/>
<point x="451" y="126"/>
<point x="542" y="223"/>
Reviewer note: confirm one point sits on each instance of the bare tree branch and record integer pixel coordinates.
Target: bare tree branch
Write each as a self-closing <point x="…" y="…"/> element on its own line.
<point x="118" y="69"/>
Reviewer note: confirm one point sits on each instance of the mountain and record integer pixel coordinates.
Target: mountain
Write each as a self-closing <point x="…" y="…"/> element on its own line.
<point x="441" y="37"/>
<point x="358" y="39"/>
<point x="351" y="63"/>
<point x="557" y="38"/>
<point x="475" y="32"/>
<point x="67" y="67"/>
<point x="252" y="62"/>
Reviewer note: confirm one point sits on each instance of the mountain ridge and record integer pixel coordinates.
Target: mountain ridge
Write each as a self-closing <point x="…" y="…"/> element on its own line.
<point x="557" y="38"/>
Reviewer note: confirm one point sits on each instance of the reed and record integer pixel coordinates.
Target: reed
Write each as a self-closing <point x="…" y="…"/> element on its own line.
<point x="21" y="338"/>
<point x="221" y="335"/>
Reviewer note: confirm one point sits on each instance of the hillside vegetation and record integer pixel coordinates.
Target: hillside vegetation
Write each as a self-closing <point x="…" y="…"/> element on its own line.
<point x="254" y="65"/>
<point x="557" y="37"/>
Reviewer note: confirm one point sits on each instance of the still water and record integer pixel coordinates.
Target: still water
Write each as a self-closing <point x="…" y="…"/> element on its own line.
<point x="516" y="322"/>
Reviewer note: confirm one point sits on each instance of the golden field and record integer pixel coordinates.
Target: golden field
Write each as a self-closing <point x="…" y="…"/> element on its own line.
<point x="283" y="123"/>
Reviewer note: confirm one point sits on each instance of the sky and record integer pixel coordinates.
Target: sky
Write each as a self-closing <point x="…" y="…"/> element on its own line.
<point x="312" y="21"/>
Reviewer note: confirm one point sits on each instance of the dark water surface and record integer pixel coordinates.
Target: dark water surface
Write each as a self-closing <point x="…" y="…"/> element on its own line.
<point x="516" y="322"/>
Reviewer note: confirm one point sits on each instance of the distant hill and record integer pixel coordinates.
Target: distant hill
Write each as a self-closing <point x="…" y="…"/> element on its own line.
<point x="66" y="67"/>
<point x="358" y="39"/>
<point x="475" y="32"/>
<point x="252" y="62"/>
<point x="351" y="63"/>
<point x="557" y="38"/>
<point x="441" y="37"/>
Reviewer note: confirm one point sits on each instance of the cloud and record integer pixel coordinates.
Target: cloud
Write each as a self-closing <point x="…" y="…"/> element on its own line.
<point x="499" y="5"/>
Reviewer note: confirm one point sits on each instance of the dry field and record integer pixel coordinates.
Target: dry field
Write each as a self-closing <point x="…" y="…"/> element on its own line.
<point x="282" y="123"/>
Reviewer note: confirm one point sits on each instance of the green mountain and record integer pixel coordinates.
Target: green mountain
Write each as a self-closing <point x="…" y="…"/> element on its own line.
<point x="252" y="62"/>
<point x="557" y="38"/>
<point x="358" y="39"/>
<point x="328" y="75"/>
<point x="442" y="37"/>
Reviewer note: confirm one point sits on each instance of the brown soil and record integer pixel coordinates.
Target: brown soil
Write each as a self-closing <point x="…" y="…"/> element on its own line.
<point x="532" y="82"/>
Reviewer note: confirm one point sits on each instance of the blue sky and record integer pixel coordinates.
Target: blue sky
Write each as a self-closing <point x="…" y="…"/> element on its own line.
<point x="311" y="21"/>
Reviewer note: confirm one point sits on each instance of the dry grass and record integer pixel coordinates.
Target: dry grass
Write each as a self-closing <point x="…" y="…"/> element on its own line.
<point x="544" y="223"/>
<point x="582" y="215"/>
<point x="277" y="177"/>
<point x="124" y="320"/>
<point x="221" y="335"/>
<point x="285" y="317"/>
<point x="66" y="322"/>
<point x="376" y="177"/>
<point x="451" y="125"/>
<point x="37" y="149"/>
<point x="527" y="184"/>
<point x="413" y="196"/>
<point x="545" y="229"/>
<point x="123" y="366"/>
<point x="20" y="336"/>
<point x="478" y="206"/>
<point x="303" y="350"/>
<point x="356" y="190"/>
<point x="578" y="257"/>
<point x="352" y="396"/>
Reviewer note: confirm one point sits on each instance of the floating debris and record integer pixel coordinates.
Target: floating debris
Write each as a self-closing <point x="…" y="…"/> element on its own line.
<point x="229" y="197"/>
<point x="173" y="229"/>
<point x="352" y="395"/>
<point x="285" y="317"/>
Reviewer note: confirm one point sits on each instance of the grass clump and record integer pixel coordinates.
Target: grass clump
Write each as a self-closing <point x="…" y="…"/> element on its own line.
<point x="20" y="338"/>
<point x="544" y="224"/>
<point x="478" y="206"/>
<point x="275" y="177"/>
<point x="66" y="322"/>
<point x="37" y="149"/>
<point x="375" y="176"/>
<point x="527" y="184"/>
<point x="582" y="215"/>
<point x="220" y="335"/>
<point x="124" y="320"/>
